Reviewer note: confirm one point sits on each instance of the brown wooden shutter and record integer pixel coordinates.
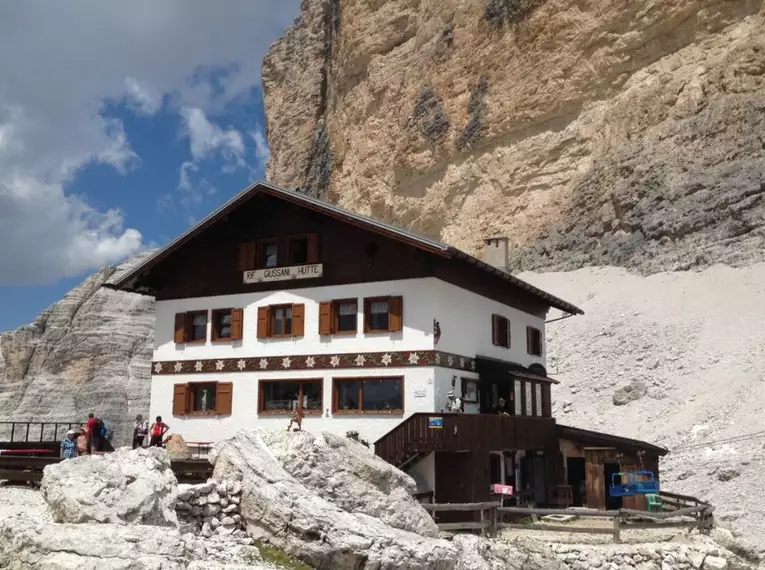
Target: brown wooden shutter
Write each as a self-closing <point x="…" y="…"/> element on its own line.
<point x="180" y="394"/>
<point x="529" y="340"/>
<point x="262" y="322"/>
<point x="180" y="327"/>
<point x="246" y="260"/>
<point x="313" y="248"/>
<point x="237" y="324"/>
<point x="325" y="318"/>
<point x="223" y="398"/>
<point x="495" y="330"/>
<point x="298" y="320"/>
<point x="188" y="323"/>
<point x="396" y="314"/>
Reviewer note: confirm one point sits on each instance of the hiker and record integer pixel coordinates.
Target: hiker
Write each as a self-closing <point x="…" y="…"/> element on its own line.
<point x="500" y="408"/>
<point x="93" y="433"/>
<point x="297" y="418"/>
<point x="140" y="430"/>
<point x="158" y="429"/>
<point x="453" y="403"/>
<point x="69" y="445"/>
<point x="82" y="441"/>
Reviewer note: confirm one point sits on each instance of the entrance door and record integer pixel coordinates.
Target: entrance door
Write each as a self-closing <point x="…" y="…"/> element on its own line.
<point x="576" y="479"/>
<point x="610" y="469"/>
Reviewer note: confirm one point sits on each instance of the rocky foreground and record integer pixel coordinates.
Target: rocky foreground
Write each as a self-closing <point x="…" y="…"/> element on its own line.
<point x="277" y="500"/>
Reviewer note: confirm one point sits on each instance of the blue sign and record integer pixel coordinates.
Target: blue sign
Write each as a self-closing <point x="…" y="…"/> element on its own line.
<point x="435" y="423"/>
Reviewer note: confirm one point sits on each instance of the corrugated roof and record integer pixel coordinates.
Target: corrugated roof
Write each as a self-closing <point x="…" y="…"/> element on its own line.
<point x="600" y="439"/>
<point x="343" y="214"/>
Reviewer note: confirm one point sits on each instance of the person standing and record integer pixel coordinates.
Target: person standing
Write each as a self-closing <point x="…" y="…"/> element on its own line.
<point x="158" y="429"/>
<point x="93" y="435"/>
<point x="69" y="445"/>
<point x="140" y="429"/>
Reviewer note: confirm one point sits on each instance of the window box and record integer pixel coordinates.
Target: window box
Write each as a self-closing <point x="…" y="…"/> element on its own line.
<point x="191" y="327"/>
<point x="500" y="331"/>
<point x="285" y="397"/>
<point x="338" y="317"/>
<point x="281" y="321"/>
<point x="368" y="395"/>
<point x="227" y="325"/>
<point x="202" y="399"/>
<point x="383" y="314"/>
<point x="533" y="341"/>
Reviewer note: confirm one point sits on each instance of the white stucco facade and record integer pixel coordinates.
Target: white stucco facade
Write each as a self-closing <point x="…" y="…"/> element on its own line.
<point x="465" y="323"/>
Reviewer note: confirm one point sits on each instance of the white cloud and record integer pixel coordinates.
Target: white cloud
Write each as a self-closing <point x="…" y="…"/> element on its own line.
<point x="78" y="55"/>
<point x="262" y="153"/>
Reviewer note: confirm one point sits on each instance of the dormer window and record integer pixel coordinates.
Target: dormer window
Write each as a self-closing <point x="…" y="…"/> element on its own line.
<point x="268" y="254"/>
<point x="297" y="250"/>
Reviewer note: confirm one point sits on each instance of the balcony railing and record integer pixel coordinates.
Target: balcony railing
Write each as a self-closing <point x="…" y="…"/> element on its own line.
<point x="426" y="432"/>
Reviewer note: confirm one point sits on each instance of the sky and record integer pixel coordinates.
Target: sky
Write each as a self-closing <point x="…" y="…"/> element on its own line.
<point x="121" y="124"/>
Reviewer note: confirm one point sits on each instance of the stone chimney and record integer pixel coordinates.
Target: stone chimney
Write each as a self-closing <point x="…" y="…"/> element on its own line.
<point x="495" y="252"/>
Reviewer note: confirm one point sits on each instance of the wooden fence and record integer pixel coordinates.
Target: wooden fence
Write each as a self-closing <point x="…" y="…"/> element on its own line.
<point x="492" y="515"/>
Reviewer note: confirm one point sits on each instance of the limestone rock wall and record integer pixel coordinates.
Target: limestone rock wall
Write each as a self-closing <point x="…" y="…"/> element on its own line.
<point x="626" y="133"/>
<point x="89" y="352"/>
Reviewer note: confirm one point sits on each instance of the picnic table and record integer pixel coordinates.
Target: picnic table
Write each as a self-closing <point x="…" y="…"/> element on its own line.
<point x="30" y="452"/>
<point x="201" y="445"/>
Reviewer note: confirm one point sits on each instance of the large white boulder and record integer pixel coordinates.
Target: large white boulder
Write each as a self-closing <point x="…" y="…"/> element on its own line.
<point x="326" y="532"/>
<point x="125" y="487"/>
<point x="347" y="474"/>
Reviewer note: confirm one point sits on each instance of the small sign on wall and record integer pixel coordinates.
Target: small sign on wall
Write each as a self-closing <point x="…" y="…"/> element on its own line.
<point x="435" y="423"/>
<point x="498" y="489"/>
<point x="313" y="271"/>
<point x="420" y="393"/>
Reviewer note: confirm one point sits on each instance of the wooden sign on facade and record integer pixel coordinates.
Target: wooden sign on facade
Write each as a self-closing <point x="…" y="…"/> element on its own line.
<point x="312" y="271"/>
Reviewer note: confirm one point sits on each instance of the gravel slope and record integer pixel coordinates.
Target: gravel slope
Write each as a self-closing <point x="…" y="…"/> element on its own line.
<point x="691" y="345"/>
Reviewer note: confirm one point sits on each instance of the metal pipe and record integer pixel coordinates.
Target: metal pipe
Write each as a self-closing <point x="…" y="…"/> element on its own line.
<point x="568" y="316"/>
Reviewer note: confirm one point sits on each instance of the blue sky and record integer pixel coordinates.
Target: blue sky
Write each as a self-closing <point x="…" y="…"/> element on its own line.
<point x="122" y="124"/>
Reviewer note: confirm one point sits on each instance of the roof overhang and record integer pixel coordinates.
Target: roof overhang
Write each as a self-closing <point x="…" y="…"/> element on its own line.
<point x="127" y="280"/>
<point x="598" y="439"/>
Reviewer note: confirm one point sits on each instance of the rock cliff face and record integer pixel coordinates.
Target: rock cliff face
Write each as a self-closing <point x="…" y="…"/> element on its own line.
<point x="622" y="133"/>
<point x="89" y="352"/>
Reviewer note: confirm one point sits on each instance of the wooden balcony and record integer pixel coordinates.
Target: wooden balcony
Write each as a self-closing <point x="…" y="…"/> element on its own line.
<point x="464" y="432"/>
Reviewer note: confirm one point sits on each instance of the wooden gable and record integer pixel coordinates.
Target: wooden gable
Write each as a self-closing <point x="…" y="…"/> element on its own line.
<point x="212" y="263"/>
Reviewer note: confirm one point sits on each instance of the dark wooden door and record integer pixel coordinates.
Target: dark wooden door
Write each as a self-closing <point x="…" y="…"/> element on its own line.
<point x="462" y="477"/>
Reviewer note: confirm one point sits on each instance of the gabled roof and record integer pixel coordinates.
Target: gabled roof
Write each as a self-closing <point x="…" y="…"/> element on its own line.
<point x="347" y="216"/>
<point x="598" y="439"/>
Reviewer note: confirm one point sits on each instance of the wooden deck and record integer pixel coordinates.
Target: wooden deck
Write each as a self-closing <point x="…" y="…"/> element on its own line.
<point x="419" y="434"/>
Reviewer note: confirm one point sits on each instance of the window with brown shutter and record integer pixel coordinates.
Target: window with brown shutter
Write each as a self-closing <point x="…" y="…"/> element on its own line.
<point x="191" y="327"/>
<point x="227" y="324"/>
<point x="278" y="321"/>
<point x="338" y="317"/>
<point x="246" y="256"/>
<point x="202" y="398"/>
<point x="533" y="341"/>
<point x="500" y="331"/>
<point x="383" y="314"/>
<point x="267" y="253"/>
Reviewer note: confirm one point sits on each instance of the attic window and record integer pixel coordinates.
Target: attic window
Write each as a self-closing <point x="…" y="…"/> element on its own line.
<point x="268" y="253"/>
<point x="298" y="250"/>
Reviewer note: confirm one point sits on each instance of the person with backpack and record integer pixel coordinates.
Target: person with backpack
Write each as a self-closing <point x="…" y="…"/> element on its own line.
<point x="140" y="430"/>
<point x="94" y="432"/>
<point x="157" y="430"/>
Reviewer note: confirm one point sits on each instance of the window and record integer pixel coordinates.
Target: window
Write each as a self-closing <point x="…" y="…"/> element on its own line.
<point x="517" y="397"/>
<point x="276" y="321"/>
<point x="191" y="327"/>
<point x="286" y="396"/>
<point x="538" y="398"/>
<point x="500" y="331"/>
<point x="281" y="320"/>
<point x="527" y="403"/>
<point x="338" y="317"/>
<point x="383" y="314"/>
<point x="533" y="341"/>
<point x="202" y="398"/>
<point x="268" y="253"/>
<point x="227" y="324"/>
<point x="369" y="395"/>
<point x="297" y="248"/>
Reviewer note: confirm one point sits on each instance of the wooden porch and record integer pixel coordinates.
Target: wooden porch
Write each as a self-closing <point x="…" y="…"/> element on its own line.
<point x="423" y="433"/>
